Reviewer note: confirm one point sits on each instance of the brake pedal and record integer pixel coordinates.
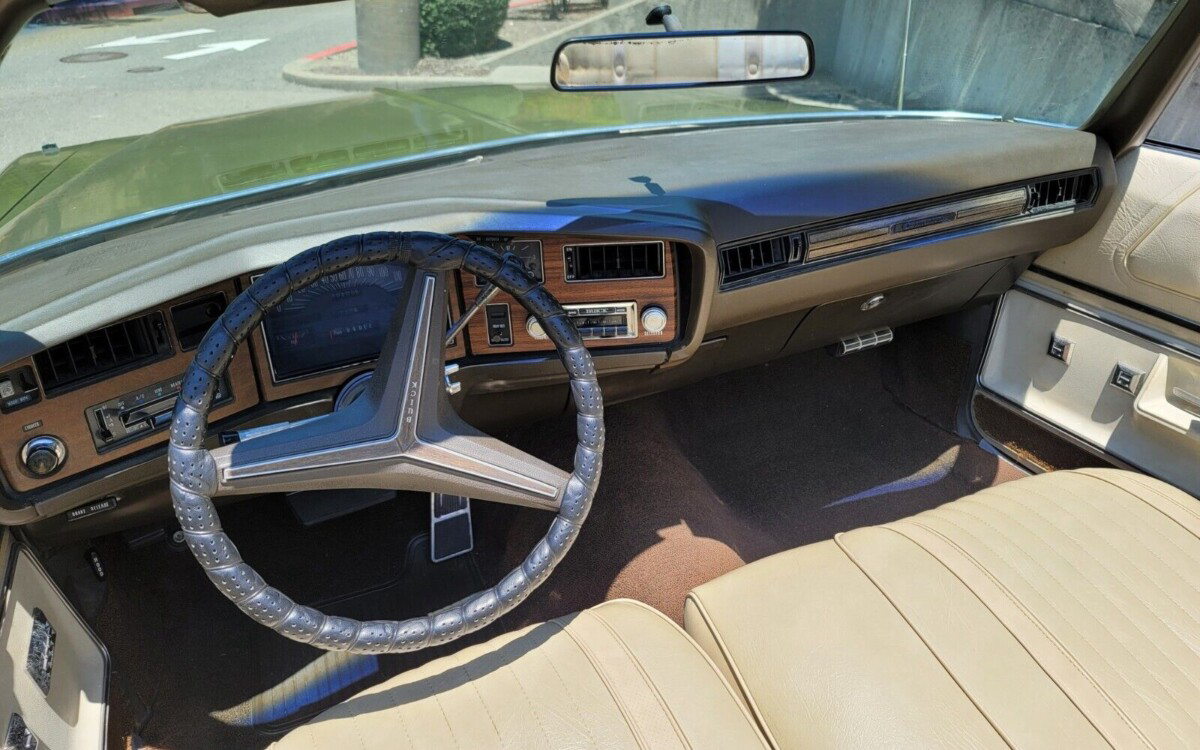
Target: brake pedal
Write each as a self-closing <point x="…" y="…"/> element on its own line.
<point x="449" y="526"/>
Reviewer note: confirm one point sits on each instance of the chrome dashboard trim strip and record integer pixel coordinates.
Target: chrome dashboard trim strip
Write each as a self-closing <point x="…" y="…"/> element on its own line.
<point x="904" y="225"/>
<point x="247" y="197"/>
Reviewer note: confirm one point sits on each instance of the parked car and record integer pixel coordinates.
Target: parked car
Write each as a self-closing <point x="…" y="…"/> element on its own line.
<point x="98" y="11"/>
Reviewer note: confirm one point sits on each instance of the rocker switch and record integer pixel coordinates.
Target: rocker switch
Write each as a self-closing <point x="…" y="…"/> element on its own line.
<point x="1126" y="378"/>
<point x="1060" y="349"/>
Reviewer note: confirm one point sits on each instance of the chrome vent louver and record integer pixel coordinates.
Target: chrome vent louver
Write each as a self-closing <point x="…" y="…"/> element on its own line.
<point x="1061" y="192"/>
<point x="751" y="258"/>
<point x="614" y="260"/>
<point x="95" y="354"/>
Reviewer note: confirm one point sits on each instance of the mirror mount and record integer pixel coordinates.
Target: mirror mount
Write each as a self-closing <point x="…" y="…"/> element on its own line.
<point x="662" y="16"/>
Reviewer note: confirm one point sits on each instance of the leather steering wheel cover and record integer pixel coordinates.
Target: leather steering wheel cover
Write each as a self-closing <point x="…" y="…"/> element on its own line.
<point x="193" y="473"/>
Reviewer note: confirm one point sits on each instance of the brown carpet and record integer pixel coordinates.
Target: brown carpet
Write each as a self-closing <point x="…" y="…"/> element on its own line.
<point x="701" y="480"/>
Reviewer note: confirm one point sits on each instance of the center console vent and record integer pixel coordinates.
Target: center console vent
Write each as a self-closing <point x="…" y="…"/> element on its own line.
<point x="1061" y="192"/>
<point x="614" y="261"/>
<point x="99" y="353"/>
<point x="751" y="258"/>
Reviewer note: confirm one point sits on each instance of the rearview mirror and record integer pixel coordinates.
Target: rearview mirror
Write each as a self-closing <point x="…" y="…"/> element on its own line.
<point x="682" y="59"/>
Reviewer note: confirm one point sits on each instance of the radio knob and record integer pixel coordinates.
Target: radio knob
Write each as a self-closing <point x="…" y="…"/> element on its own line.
<point x="534" y="328"/>
<point x="654" y="320"/>
<point x="43" y="455"/>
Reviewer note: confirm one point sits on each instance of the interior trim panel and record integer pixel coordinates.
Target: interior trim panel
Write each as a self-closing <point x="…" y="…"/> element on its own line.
<point x="1121" y="392"/>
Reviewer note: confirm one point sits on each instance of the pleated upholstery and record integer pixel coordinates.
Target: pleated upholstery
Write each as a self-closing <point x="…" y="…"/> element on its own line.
<point x="617" y="676"/>
<point x="1055" y="611"/>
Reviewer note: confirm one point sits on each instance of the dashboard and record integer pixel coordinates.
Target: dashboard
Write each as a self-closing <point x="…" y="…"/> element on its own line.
<point x="795" y="236"/>
<point x="109" y="393"/>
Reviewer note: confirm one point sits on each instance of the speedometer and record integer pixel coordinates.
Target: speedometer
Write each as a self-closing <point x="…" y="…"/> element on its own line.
<point x="338" y="321"/>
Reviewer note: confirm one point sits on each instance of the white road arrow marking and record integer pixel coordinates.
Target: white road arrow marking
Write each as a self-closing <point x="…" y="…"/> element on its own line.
<point x="133" y="41"/>
<point x="207" y="49"/>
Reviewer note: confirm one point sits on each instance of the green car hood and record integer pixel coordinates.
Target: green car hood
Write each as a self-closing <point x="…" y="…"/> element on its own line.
<point x="43" y="196"/>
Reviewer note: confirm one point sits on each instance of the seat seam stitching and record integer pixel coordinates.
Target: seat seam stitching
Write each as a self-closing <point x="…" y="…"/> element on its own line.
<point x="400" y="713"/>
<point x="604" y="680"/>
<point x="1101" y="654"/>
<point x="1146" y="547"/>
<point x="446" y="718"/>
<point x="1041" y="627"/>
<point x="1162" y="536"/>
<point x="662" y="704"/>
<point x="1070" y="592"/>
<point x="968" y="502"/>
<point x="729" y="689"/>
<point x="532" y="706"/>
<point x="1000" y="621"/>
<point x="471" y="680"/>
<point x="1156" y="491"/>
<point x="751" y="704"/>
<point x="1125" y="584"/>
<point x="574" y="702"/>
<point x="928" y="646"/>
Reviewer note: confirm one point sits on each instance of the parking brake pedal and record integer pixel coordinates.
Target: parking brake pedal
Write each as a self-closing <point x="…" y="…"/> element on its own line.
<point x="449" y="526"/>
<point x="862" y="341"/>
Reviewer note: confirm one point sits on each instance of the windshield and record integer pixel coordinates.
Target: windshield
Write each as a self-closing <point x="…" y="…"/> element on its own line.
<point x="120" y="108"/>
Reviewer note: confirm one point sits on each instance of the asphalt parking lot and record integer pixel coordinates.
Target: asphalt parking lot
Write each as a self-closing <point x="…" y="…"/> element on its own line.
<point x="135" y="76"/>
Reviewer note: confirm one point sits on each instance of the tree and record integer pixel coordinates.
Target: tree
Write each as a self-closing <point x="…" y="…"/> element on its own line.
<point x="389" y="35"/>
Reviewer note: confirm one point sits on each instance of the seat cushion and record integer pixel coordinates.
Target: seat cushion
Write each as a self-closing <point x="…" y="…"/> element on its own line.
<point x="1055" y="611"/>
<point x="620" y="675"/>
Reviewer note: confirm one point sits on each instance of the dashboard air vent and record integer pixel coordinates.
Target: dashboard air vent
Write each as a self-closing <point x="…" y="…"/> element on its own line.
<point x="98" y="353"/>
<point x="752" y="258"/>
<point x="616" y="260"/>
<point x="1061" y="192"/>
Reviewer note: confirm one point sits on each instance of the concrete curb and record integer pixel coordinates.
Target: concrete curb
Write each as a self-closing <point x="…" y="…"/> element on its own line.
<point x="299" y="72"/>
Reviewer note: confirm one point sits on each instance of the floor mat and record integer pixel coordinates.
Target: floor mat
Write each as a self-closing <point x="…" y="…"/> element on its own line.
<point x="696" y="482"/>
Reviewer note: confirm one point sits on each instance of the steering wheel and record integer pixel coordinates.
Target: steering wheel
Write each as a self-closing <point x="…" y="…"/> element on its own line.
<point x="402" y="434"/>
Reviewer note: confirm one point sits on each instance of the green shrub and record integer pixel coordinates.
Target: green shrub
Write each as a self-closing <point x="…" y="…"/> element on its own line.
<point x="457" y="28"/>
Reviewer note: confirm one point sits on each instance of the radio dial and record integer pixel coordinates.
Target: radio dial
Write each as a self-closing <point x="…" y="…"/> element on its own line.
<point x="534" y="328"/>
<point x="43" y="455"/>
<point x="654" y="320"/>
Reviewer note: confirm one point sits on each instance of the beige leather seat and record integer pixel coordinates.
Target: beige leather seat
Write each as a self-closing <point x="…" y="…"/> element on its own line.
<point x="620" y="675"/>
<point x="1059" y="611"/>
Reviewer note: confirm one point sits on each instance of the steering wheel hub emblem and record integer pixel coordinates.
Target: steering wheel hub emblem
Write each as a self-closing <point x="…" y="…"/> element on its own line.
<point x="401" y="433"/>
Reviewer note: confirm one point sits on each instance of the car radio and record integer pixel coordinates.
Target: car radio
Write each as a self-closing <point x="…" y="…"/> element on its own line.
<point x="601" y="320"/>
<point x="140" y="412"/>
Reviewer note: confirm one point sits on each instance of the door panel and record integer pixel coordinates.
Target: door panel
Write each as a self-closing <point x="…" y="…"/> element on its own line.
<point x="1133" y="397"/>
<point x="1101" y="337"/>
<point x="54" y="677"/>
<point x="1146" y="246"/>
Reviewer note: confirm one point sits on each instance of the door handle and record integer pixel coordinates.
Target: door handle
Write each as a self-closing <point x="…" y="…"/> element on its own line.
<point x="1191" y="401"/>
<point x="1167" y="396"/>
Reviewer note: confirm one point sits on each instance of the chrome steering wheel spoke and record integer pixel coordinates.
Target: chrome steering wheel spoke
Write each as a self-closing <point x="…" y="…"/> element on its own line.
<point x="402" y="434"/>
